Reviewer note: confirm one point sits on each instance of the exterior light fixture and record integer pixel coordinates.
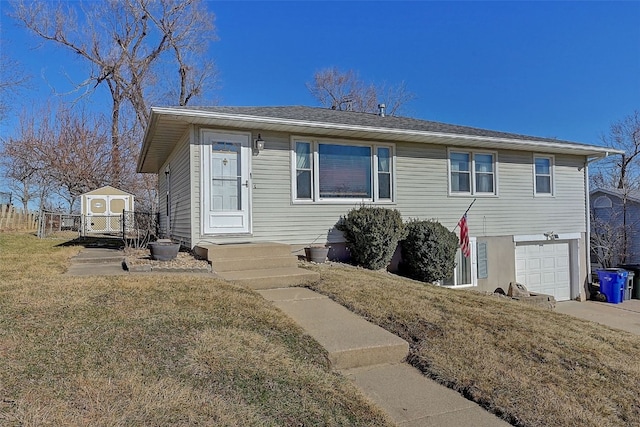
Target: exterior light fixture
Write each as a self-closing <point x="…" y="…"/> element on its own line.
<point x="258" y="144"/>
<point x="550" y="235"/>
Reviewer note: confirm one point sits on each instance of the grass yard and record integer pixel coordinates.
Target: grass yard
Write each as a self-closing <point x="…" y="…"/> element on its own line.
<point x="530" y="366"/>
<point x="154" y="350"/>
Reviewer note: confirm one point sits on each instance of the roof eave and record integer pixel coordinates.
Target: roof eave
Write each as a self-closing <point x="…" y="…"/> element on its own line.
<point x="307" y="127"/>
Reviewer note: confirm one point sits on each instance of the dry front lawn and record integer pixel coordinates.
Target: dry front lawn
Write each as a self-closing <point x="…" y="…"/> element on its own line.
<point x="154" y="350"/>
<point x="532" y="367"/>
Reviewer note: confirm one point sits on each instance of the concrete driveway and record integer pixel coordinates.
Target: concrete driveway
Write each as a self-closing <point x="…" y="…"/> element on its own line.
<point x="625" y="316"/>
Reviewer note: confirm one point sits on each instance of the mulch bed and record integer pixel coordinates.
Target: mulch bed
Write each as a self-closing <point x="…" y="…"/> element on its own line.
<point x="139" y="260"/>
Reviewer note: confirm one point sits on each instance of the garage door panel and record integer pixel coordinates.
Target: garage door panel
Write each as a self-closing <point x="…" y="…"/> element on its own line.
<point x="533" y="263"/>
<point x="534" y="279"/>
<point x="563" y="262"/>
<point x="548" y="263"/>
<point x="544" y="268"/>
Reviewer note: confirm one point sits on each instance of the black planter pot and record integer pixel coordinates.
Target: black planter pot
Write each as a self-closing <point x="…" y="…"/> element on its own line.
<point x="163" y="251"/>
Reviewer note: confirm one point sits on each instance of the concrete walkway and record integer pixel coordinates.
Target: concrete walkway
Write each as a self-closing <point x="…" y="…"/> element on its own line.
<point x="367" y="354"/>
<point x="372" y="358"/>
<point x="624" y="316"/>
<point x="97" y="262"/>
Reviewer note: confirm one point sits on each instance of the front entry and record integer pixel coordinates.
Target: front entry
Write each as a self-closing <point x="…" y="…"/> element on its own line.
<point x="225" y="183"/>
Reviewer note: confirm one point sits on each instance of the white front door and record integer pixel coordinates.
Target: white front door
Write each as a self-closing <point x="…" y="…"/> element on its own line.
<point x="225" y="183"/>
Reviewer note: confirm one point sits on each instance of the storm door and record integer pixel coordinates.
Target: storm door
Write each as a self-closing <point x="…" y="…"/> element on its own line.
<point x="225" y="180"/>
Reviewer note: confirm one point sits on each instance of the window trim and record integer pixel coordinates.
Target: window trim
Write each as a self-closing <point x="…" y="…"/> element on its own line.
<point x="598" y="202"/>
<point x="472" y="172"/>
<point x="315" y="172"/>
<point x="474" y="267"/>
<point x="552" y="175"/>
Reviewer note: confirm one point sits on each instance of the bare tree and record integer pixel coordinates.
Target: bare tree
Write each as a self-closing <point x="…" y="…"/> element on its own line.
<point x="20" y="158"/>
<point x="13" y="78"/>
<point x="612" y="231"/>
<point x="622" y="172"/>
<point x="345" y="90"/>
<point x="63" y="149"/>
<point x="128" y="44"/>
<point x="78" y="156"/>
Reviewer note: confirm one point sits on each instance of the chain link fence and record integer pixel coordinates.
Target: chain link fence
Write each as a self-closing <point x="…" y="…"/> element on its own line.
<point x="136" y="229"/>
<point x="59" y="225"/>
<point x="139" y="228"/>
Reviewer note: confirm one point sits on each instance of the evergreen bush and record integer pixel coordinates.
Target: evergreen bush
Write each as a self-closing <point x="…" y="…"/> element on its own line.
<point x="428" y="251"/>
<point x="372" y="235"/>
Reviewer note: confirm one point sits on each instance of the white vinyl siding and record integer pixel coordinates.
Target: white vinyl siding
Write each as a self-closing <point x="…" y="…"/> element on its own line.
<point x="179" y="194"/>
<point x="420" y="190"/>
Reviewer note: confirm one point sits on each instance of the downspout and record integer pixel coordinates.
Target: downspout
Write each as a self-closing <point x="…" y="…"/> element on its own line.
<point x="588" y="221"/>
<point x="167" y="174"/>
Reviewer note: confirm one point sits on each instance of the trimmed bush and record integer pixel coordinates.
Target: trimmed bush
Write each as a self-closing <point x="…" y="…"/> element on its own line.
<point x="372" y="235"/>
<point x="428" y="251"/>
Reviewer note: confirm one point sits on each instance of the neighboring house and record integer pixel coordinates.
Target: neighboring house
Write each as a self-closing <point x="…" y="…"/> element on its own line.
<point x="615" y="226"/>
<point x="287" y="174"/>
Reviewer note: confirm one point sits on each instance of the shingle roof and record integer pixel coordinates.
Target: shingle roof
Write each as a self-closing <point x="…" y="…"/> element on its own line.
<point x="315" y="114"/>
<point x="168" y="124"/>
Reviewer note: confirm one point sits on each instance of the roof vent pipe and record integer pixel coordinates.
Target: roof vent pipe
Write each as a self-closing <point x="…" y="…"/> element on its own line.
<point x="381" y="108"/>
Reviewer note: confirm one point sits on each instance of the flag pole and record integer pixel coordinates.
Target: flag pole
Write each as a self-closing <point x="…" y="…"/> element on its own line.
<point x="465" y="212"/>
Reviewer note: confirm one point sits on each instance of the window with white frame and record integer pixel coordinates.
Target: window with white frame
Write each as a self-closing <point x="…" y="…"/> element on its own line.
<point x="472" y="173"/>
<point x="543" y="175"/>
<point x="336" y="171"/>
<point x="465" y="273"/>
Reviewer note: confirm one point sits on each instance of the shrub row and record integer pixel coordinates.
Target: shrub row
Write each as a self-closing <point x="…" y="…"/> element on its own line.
<point x="373" y="233"/>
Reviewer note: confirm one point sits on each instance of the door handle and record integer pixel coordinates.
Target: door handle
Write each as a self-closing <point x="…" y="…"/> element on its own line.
<point x="246" y="183"/>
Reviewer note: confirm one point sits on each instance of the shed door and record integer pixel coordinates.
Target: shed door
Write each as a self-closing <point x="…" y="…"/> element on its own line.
<point x="544" y="268"/>
<point x="225" y="182"/>
<point x="104" y="213"/>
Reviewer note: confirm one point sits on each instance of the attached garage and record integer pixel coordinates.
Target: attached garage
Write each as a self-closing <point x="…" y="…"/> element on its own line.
<point x="545" y="268"/>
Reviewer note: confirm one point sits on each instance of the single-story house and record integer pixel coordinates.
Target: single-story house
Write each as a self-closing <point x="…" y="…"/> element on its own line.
<point x="615" y="226"/>
<point x="287" y="174"/>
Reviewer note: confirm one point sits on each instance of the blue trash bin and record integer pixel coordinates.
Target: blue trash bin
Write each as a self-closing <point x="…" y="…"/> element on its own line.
<point x="612" y="284"/>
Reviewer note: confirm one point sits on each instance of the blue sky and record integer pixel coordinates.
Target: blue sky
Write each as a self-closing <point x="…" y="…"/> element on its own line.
<point x="551" y="69"/>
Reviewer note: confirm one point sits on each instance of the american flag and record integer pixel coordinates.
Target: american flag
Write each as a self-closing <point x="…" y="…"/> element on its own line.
<point x="464" y="236"/>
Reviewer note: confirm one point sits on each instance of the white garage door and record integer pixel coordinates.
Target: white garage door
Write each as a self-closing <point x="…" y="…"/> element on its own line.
<point x="544" y="268"/>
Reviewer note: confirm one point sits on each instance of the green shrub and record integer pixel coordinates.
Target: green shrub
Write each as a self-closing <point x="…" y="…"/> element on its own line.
<point x="428" y="251"/>
<point x="372" y="235"/>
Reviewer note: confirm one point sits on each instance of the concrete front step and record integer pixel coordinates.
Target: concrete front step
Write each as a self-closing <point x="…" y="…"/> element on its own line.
<point x="98" y="256"/>
<point x="243" y="250"/>
<point x="350" y="340"/>
<point x="221" y="265"/>
<point x="272" y="277"/>
<point x="97" y="269"/>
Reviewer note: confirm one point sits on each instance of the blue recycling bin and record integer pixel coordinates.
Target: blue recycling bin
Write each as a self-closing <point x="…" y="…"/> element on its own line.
<point x="612" y="284"/>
